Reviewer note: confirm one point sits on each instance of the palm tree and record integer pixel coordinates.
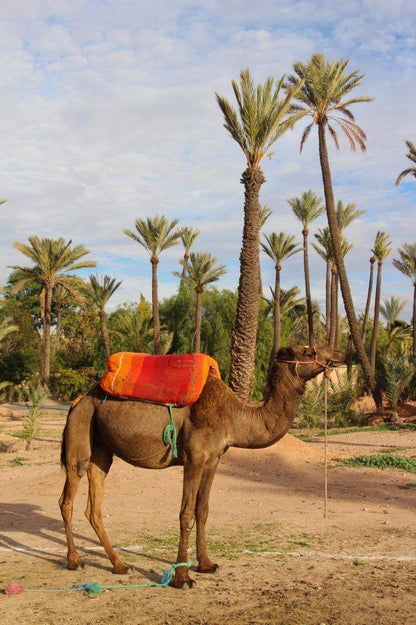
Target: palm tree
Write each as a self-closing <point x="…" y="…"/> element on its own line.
<point x="307" y="208"/>
<point x="155" y="234"/>
<point x="188" y="236"/>
<point x="407" y="265"/>
<point x="53" y="259"/>
<point x="325" y="96"/>
<point x="381" y="249"/>
<point x="261" y="119"/>
<point x="411" y="155"/>
<point x="202" y="270"/>
<point x="326" y="252"/>
<point x="278" y="247"/>
<point x="265" y="213"/>
<point x="369" y="292"/>
<point x="290" y="303"/>
<point x="347" y="214"/>
<point x="397" y="331"/>
<point x="100" y="291"/>
<point x="133" y="327"/>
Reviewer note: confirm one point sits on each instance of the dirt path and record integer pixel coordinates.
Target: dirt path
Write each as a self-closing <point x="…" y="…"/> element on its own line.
<point x="280" y="561"/>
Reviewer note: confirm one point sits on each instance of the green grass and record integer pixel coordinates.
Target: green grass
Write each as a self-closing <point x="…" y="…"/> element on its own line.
<point x="366" y="428"/>
<point x="382" y="461"/>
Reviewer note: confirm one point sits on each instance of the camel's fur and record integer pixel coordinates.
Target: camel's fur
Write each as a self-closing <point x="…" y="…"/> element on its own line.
<point x="96" y="430"/>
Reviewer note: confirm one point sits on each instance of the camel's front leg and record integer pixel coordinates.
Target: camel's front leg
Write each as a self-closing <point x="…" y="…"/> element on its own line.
<point x="192" y="474"/>
<point x="204" y="563"/>
<point x="100" y="464"/>
<point x="66" y="503"/>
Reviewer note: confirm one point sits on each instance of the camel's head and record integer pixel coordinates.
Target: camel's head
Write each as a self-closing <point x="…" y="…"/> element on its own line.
<point x="308" y="362"/>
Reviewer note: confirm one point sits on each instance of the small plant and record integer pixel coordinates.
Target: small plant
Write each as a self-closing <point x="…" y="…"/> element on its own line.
<point x="395" y="375"/>
<point x="37" y="396"/>
<point x="340" y="401"/>
<point x="311" y="410"/>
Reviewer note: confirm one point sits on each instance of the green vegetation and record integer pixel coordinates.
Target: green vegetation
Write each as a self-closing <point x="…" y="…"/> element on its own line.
<point x="383" y="461"/>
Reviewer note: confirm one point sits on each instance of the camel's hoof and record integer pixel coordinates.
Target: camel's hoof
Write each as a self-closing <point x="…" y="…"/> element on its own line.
<point x="207" y="568"/>
<point x="124" y="569"/>
<point x="180" y="583"/>
<point x="75" y="566"/>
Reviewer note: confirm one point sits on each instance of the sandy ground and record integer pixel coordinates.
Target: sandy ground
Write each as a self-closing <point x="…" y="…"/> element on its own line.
<point x="280" y="560"/>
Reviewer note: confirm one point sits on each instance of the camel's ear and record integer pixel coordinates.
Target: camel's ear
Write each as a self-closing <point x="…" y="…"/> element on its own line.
<point x="285" y="353"/>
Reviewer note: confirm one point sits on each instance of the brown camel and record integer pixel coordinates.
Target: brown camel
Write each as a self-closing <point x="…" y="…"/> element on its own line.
<point x="133" y="430"/>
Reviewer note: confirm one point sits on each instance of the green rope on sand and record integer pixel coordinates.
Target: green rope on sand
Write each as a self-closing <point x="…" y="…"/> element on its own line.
<point x="95" y="588"/>
<point x="169" y="434"/>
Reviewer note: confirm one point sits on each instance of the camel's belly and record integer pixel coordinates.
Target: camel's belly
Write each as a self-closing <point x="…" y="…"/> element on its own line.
<point x="134" y="431"/>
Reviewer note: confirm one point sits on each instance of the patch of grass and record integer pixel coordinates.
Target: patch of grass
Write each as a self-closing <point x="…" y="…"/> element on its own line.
<point x="371" y="428"/>
<point x="358" y="563"/>
<point x="382" y="461"/>
<point x="19" y="461"/>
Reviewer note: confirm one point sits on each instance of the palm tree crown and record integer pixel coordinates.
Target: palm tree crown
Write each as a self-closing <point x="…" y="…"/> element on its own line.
<point x="202" y="270"/>
<point x="347" y="214"/>
<point x="155" y="234"/>
<point x="262" y="115"/>
<point x="280" y="246"/>
<point x="407" y="262"/>
<point x="382" y="246"/>
<point x="307" y="208"/>
<point x="101" y="289"/>
<point x="411" y="155"/>
<point x="322" y="97"/>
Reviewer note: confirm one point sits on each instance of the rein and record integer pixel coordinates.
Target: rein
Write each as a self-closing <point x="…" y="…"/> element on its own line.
<point x="315" y="361"/>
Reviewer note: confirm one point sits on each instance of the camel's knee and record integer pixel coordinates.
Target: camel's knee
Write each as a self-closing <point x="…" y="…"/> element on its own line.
<point x="94" y="517"/>
<point x="187" y="519"/>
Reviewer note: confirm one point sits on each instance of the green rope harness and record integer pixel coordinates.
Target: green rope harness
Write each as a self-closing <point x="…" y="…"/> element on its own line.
<point x="169" y="434"/>
<point x="95" y="588"/>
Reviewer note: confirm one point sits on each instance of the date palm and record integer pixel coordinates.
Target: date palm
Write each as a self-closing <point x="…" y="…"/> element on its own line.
<point x="407" y="265"/>
<point x="325" y="96"/>
<point x="53" y="259"/>
<point x="264" y="114"/>
<point x="155" y="234"/>
<point x="265" y="213"/>
<point x="278" y="247"/>
<point x="188" y="236"/>
<point x="381" y="250"/>
<point x="202" y="270"/>
<point x="307" y="208"/>
<point x="411" y="155"/>
<point x="100" y="291"/>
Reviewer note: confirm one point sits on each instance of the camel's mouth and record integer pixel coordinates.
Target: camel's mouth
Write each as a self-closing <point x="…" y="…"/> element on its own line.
<point x="336" y="360"/>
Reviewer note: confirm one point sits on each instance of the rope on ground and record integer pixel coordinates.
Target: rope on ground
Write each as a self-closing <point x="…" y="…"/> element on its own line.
<point x="95" y="588"/>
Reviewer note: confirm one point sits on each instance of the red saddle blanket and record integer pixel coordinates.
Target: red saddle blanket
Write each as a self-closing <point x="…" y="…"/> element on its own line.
<point x="176" y="379"/>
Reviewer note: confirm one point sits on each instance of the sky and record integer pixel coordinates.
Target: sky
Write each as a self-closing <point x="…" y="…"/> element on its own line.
<point x="108" y="114"/>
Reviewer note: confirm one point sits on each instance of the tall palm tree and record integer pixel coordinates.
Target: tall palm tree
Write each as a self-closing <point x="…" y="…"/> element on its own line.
<point x="278" y="247"/>
<point x="369" y="292"/>
<point x="100" y="291"/>
<point x="262" y="117"/>
<point x="407" y="265"/>
<point x="265" y="213"/>
<point x="202" y="270"/>
<point x="326" y="252"/>
<point x="53" y="259"/>
<point x="325" y="96"/>
<point x="381" y="249"/>
<point x="411" y="155"/>
<point x="155" y="234"/>
<point x="307" y="208"/>
<point x="188" y="236"/>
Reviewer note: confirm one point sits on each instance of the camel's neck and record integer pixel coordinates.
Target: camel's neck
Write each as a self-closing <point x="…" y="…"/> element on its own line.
<point x="263" y="425"/>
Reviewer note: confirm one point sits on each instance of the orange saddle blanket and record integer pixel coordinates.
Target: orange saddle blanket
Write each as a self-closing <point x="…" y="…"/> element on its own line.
<point x="176" y="379"/>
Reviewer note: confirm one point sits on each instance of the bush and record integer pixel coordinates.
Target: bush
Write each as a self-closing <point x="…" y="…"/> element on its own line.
<point x="67" y="384"/>
<point x="395" y="376"/>
<point x="311" y="411"/>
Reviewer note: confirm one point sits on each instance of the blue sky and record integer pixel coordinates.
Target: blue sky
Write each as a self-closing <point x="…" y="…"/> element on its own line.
<point x="108" y="114"/>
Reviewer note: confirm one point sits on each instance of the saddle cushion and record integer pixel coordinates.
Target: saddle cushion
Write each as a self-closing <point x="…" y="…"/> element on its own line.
<point x="176" y="379"/>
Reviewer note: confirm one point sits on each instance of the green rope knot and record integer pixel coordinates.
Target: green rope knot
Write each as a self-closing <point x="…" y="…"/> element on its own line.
<point x="170" y="435"/>
<point x="169" y="574"/>
<point x="92" y="588"/>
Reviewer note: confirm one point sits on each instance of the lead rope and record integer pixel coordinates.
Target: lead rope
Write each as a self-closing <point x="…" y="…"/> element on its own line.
<point x="169" y="434"/>
<point x="325" y="445"/>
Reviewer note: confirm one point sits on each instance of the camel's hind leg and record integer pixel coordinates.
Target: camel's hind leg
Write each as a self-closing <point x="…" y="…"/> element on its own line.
<point x="66" y="504"/>
<point x="98" y="469"/>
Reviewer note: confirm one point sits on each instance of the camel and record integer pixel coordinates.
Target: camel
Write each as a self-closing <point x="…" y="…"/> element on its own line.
<point x="98" y="428"/>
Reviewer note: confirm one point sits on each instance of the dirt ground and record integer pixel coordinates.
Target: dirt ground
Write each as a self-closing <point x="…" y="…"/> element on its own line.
<point x="280" y="561"/>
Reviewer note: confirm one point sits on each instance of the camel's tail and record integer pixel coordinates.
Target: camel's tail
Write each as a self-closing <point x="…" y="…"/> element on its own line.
<point x="77" y="437"/>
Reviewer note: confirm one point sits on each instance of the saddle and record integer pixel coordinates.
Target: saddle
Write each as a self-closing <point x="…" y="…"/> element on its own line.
<point x="176" y="379"/>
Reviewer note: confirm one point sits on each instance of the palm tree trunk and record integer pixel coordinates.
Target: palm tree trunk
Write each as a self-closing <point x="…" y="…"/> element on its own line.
<point x="155" y="307"/>
<point x="277" y="315"/>
<point x="328" y="301"/>
<point x="198" y="320"/>
<point x="244" y="333"/>
<point x="46" y="356"/>
<point x="373" y="348"/>
<point x="345" y="287"/>
<point x="332" y="327"/>
<point x="414" y="319"/>
<point x="58" y="323"/>
<point x="104" y="333"/>
<point x="368" y="302"/>
<point x="311" y="338"/>
<point x="336" y="314"/>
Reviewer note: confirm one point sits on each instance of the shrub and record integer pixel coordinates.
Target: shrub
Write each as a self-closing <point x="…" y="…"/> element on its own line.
<point x="311" y="410"/>
<point x="395" y="376"/>
<point x="67" y="384"/>
<point x="36" y="396"/>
